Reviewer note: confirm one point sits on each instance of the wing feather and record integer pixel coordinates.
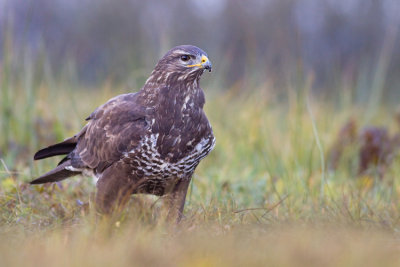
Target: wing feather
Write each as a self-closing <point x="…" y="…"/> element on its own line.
<point x="113" y="128"/>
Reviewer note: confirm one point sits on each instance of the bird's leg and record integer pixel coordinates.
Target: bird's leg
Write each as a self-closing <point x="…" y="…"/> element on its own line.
<point x="113" y="192"/>
<point x="111" y="196"/>
<point x="175" y="200"/>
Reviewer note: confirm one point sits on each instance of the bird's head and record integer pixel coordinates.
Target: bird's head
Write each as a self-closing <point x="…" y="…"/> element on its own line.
<point x="186" y="59"/>
<point x="184" y="63"/>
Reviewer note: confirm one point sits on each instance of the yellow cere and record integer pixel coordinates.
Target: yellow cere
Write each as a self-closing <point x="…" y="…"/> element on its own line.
<point x="204" y="59"/>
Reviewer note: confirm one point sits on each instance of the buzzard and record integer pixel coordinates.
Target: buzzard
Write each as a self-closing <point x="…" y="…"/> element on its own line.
<point x="146" y="142"/>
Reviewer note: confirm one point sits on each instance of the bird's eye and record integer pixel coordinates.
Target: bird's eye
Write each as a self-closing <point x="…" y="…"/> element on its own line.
<point x="185" y="57"/>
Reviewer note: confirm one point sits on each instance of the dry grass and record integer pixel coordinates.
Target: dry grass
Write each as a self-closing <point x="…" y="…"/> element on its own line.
<point x="262" y="197"/>
<point x="202" y="245"/>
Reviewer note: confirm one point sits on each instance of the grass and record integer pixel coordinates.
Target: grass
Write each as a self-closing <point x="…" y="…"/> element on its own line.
<point x="262" y="197"/>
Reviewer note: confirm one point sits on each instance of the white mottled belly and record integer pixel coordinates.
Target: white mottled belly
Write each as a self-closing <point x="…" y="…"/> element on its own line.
<point x="147" y="162"/>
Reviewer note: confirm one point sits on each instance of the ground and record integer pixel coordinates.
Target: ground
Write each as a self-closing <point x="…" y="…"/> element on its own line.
<point x="265" y="196"/>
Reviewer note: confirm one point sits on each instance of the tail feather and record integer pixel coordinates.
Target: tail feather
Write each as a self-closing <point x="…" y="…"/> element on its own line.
<point x="62" y="148"/>
<point x="57" y="174"/>
<point x="63" y="160"/>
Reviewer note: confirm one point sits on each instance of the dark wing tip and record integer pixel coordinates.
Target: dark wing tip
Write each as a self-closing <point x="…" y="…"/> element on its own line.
<point x="62" y="148"/>
<point x="38" y="155"/>
<point x="41" y="180"/>
<point x="57" y="174"/>
<point x="35" y="182"/>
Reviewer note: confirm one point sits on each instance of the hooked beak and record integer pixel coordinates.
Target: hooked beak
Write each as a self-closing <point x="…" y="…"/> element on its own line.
<point x="204" y="64"/>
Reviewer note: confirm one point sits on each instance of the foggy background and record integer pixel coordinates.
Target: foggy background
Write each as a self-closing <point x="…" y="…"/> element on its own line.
<point x="351" y="43"/>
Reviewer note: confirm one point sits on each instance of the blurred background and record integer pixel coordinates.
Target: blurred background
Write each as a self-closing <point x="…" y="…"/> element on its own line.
<point x="351" y="42"/>
<point x="303" y="99"/>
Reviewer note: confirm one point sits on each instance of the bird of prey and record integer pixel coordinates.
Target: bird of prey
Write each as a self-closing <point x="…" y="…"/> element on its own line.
<point x="146" y="142"/>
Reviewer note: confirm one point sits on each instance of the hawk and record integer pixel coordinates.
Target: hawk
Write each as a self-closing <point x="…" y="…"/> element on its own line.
<point x="146" y="142"/>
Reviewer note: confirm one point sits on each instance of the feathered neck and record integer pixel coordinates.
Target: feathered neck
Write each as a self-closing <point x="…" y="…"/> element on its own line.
<point x="180" y="83"/>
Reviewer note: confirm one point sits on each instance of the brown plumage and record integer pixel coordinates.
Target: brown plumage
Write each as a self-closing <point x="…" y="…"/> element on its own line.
<point x="145" y="142"/>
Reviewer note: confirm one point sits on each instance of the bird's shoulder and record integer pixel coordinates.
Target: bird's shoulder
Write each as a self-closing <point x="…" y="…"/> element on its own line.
<point x="112" y="129"/>
<point x="122" y="105"/>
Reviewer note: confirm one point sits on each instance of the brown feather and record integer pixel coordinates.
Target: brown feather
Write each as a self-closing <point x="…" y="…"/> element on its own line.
<point x="62" y="148"/>
<point x="57" y="174"/>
